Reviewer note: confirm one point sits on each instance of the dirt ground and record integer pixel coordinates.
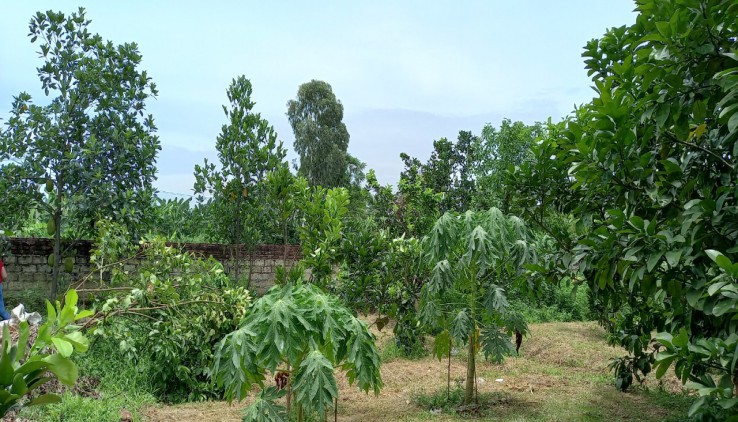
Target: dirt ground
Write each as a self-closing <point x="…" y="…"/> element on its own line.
<point x="561" y="375"/>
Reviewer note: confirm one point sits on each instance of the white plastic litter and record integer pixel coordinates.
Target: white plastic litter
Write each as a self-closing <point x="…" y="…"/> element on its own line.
<point x="19" y="314"/>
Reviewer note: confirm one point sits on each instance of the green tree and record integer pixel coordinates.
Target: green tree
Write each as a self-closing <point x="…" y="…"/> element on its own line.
<point x="495" y="152"/>
<point x="247" y="150"/>
<point x="284" y="190"/>
<point x="321" y="138"/>
<point x="300" y="334"/>
<point x="475" y="257"/>
<point x="91" y="146"/>
<point x="651" y="168"/>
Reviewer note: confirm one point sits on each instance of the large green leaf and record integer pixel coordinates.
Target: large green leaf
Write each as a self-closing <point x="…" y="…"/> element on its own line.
<point x="63" y="368"/>
<point x="315" y="386"/>
<point x="265" y="408"/>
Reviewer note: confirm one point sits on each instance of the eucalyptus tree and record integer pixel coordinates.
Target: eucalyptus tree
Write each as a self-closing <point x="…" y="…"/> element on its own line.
<point x="247" y="150"/>
<point x="91" y="147"/>
<point x="475" y="257"/>
<point x="321" y="137"/>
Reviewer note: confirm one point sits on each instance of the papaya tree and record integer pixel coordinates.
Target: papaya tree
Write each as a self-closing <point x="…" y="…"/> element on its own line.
<point x="88" y="141"/>
<point x="476" y="257"/>
<point x="299" y="334"/>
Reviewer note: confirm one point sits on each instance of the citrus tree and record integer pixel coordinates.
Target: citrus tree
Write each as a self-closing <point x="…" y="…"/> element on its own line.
<point x="650" y="164"/>
<point x="300" y="334"/>
<point x="476" y="256"/>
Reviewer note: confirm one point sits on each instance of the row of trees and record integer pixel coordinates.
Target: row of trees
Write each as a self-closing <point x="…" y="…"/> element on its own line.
<point x="90" y="151"/>
<point x="633" y="195"/>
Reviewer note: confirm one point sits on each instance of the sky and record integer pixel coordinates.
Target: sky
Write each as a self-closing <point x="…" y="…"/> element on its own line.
<point x="406" y="72"/>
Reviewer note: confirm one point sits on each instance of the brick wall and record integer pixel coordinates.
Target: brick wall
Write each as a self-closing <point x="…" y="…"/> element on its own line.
<point x="28" y="266"/>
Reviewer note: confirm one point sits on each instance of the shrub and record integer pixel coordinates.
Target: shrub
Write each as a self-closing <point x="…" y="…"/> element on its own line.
<point x="171" y="310"/>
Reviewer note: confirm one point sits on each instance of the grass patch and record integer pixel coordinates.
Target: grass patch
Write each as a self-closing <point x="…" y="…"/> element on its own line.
<point x="390" y="351"/>
<point x="452" y="402"/>
<point x="119" y="385"/>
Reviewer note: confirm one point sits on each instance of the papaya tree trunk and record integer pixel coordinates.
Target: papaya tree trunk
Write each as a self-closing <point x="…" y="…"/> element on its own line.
<point x="448" y="373"/>
<point x="471" y="370"/>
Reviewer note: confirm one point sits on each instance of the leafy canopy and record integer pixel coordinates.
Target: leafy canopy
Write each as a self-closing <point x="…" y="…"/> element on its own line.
<point x="300" y="327"/>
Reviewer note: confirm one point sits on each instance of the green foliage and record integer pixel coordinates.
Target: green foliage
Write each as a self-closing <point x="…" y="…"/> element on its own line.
<point x="178" y="220"/>
<point x="247" y="150"/>
<point x="476" y="257"/>
<point x="84" y="145"/>
<point x="383" y="276"/>
<point x="321" y="138"/>
<point x="411" y="211"/>
<point x="648" y="170"/>
<point x="322" y="213"/>
<point x="25" y="367"/>
<point x="175" y="309"/>
<point x="298" y="329"/>
<point x="4" y="243"/>
<point x="264" y="407"/>
<point x="108" y="383"/>
<point x="555" y="303"/>
<point x="496" y="151"/>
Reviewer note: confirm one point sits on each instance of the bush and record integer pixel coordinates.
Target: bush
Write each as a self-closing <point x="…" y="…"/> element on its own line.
<point x="176" y="309"/>
<point x="557" y="303"/>
<point x="32" y="299"/>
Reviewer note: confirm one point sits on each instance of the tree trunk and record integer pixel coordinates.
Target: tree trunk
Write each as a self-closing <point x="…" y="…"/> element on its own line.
<point x="448" y="373"/>
<point x="57" y="241"/>
<point x="471" y="370"/>
<point x="735" y="384"/>
<point x="299" y="413"/>
<point x="284" y="239"/>
<point x="335" y="410"/>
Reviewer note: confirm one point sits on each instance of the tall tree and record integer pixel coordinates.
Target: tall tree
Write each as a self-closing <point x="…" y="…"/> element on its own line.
<point x="247" y="150"/>
<point x="495" y="152"/>
<point x="651" y="163"/>
<point x="91" y="146"/>
<point x="321" y="138"/>
<point x="447" y="172"/>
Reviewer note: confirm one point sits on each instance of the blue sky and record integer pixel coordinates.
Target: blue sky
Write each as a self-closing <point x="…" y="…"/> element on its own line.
<point x="407" y="72"/>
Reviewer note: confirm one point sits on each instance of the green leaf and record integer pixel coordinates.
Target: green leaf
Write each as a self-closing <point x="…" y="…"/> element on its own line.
<point x="653" y="259"/>
<point x="265" y="409"/>
<point x="682" y="339"/>
<point x="663" y="366"/>
<point x="314" y="385"/>
<point x="696" y="405"/>
<point x="672" y="257"/>
<point x="64" y="369"/>
<point x="44" y="399"/>
<point x="665" y="339"/>
<point x="64" y="347"/>
<point x="442" y="345"/>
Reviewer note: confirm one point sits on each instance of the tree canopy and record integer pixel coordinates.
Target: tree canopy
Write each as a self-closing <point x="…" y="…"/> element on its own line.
<point x="321" y="137"/>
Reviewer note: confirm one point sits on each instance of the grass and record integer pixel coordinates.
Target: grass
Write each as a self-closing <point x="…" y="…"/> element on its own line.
<point x="561" y="375"/>
<point x="117" y="387"/>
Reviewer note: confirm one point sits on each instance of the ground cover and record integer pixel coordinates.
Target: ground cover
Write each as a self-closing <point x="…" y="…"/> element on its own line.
<point x="561" y="375"/>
